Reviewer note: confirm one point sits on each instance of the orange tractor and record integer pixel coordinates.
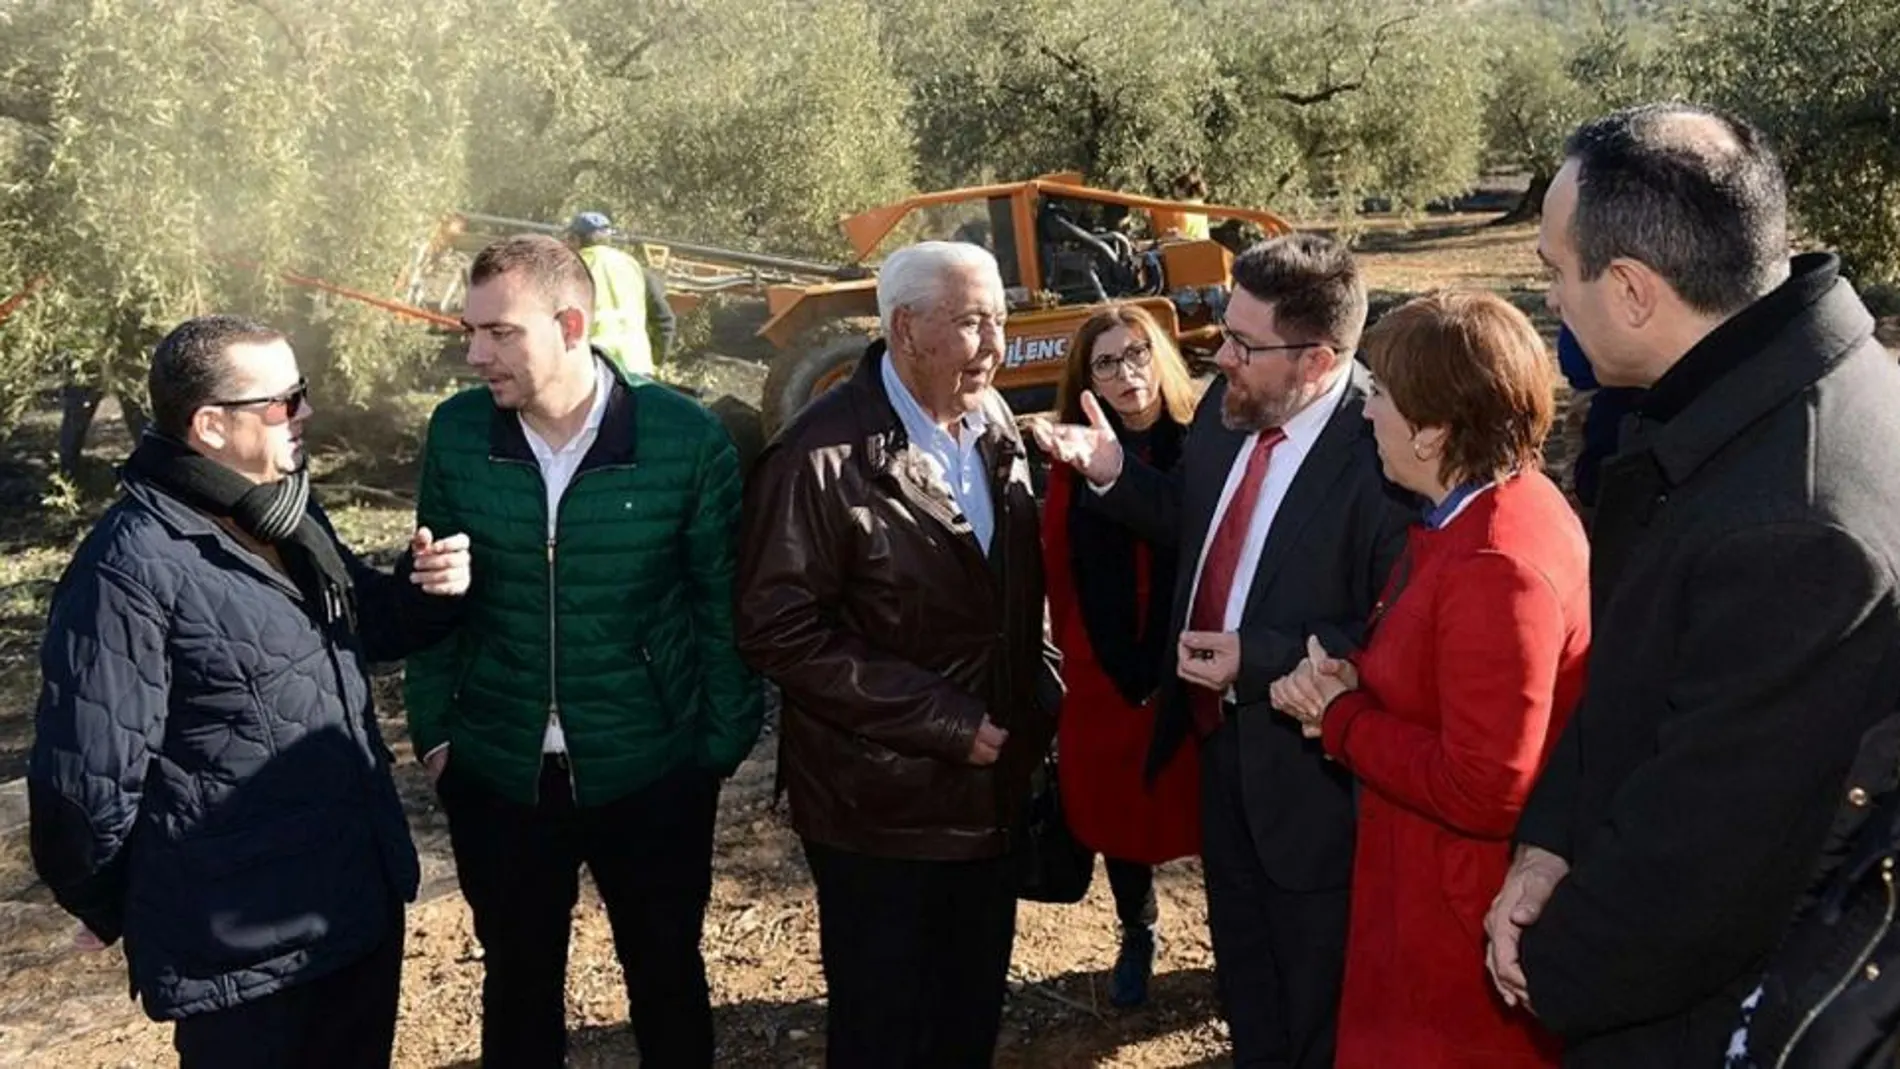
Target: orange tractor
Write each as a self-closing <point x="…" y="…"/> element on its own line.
<point x="1063" y="248"/>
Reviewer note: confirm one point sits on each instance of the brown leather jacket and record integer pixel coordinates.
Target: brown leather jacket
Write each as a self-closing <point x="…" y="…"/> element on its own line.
<point x="868" y="600"/>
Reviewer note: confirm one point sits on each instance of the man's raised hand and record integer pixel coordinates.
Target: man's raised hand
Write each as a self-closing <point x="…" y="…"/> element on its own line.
<point x="1091" y="449"/>
<point x="439" y="566"/>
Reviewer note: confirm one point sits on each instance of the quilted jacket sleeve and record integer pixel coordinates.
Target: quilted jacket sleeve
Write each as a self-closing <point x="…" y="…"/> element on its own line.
<point x="428" y="674"/>
<point x="101" y="714"/>
<point x="733" y="703"/>
<point x="394" y="617"/>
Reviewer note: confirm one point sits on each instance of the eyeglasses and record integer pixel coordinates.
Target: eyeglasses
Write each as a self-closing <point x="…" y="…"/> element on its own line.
<point x="1135" y="357"/>
<point x="280" y="407"/>
<point x="1247" y="351"/>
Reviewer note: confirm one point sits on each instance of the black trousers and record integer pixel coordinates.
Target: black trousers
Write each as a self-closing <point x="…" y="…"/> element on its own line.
<point x="1279" y="955"/>
<point x="343" y="1020"/>
<point x="1133" y="884"/>
<point x="650" y="854"/>
<point x="916" y="957"/>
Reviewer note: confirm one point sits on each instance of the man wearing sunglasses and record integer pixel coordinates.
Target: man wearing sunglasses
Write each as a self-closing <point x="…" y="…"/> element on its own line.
<point x="207" y="778"/>
<point x="1286" y="530"/>
<point x="595" y="700"/>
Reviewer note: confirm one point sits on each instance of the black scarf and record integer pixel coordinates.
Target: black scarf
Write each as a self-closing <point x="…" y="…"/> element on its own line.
<point x="277" y="513"/>
<point x="1130" y="648"/>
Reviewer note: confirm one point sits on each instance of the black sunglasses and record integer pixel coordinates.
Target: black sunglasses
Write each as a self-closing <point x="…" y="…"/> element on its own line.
<point x="292" y="401"/>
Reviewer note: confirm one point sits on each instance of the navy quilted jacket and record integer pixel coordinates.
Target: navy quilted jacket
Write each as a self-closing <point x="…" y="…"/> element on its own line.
<point x="207" y="778"/>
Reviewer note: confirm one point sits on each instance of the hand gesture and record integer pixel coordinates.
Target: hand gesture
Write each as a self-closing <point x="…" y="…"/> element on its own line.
<point x="439" y="567"/>
<point x="1092" y="450"/>
<point x="988" y="744"/>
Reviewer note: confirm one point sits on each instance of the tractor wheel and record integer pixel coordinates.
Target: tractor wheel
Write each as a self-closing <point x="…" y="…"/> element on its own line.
<point x="809" y="369"/>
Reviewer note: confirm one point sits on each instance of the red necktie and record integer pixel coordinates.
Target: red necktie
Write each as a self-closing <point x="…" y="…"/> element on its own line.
<point x="1223" y="560"/>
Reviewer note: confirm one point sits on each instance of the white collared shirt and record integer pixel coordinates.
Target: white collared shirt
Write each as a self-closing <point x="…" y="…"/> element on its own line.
<point x="558" y="467"/>
<point x="1302" y="432"/>
<point x="958" y="459"/>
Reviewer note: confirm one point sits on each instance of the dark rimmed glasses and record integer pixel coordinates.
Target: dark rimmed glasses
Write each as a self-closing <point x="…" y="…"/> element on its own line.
<point x="1138" y="355"/>
<point x="279" y="408"/>
<point x="1247" y="351"/>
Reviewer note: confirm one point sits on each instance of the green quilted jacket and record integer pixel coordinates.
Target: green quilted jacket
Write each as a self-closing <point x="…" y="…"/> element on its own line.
<point x="620" y="625"/>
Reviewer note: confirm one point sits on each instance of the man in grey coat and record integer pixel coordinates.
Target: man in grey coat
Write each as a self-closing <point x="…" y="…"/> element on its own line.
<point x="1747" y="625"/>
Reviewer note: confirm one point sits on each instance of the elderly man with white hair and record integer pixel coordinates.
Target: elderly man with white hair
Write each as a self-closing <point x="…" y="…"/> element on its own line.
<point x="891" y="584"/>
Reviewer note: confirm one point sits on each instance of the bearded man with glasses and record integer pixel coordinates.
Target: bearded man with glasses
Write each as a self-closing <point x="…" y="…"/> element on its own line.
<point x="1286" y="530"/>
<point x="207" y="778"/>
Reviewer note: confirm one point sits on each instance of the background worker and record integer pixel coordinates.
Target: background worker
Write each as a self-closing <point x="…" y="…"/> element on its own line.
<point x="633" y="324"/>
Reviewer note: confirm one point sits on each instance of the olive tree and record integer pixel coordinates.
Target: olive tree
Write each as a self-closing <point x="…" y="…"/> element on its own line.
<point x="1822" y="80"/>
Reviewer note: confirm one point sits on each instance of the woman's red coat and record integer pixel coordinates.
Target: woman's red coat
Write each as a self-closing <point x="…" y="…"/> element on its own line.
<point x="1102" y="741"/>
<point x="1475" y="661"/>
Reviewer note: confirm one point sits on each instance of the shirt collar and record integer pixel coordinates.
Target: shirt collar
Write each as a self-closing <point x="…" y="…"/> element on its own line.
<point x="1811" y="276"/>
<point x="1304" y="428"/>
<point x="916" y="421"/>
<point x="596" y="411"/>
<point x="1439" y="515"/>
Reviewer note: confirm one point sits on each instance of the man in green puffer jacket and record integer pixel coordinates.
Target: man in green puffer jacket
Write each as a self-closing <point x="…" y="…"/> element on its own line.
<point x="593" y="699"/>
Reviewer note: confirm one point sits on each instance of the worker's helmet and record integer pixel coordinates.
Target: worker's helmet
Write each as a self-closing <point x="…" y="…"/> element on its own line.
<point x="591" y="226"/>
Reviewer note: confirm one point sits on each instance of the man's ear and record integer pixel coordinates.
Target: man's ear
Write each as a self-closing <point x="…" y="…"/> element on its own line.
<point x="898" y="339"/>
<point x="1636" y="291"/>
<point x="573" y="326"/>
<point x="1321" y="362"/>
<point x="207" y="426"/>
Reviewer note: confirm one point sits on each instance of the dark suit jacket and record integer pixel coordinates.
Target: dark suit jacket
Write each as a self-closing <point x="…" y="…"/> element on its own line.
<point x="1747" y="638"/>
<point x="1333" y="542"/>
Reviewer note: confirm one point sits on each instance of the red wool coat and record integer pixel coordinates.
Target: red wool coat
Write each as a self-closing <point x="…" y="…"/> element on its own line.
<point x="1475" y="660"/>
<point x="1101" y="740"/>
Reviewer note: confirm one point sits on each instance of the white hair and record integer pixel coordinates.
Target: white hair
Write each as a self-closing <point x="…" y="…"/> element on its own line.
<point x="913" y="275"/>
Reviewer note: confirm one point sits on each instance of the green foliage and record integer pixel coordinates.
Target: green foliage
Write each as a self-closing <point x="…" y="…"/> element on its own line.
<point x="1117" y="89"/>
<point x="191" y="153"/>
<point x="161" y="160"/>
<point x="1821" y="78"/>
<point x="1534" y="101"/>
<point x="1323" y="102"/>
<point x="757" y="123"/>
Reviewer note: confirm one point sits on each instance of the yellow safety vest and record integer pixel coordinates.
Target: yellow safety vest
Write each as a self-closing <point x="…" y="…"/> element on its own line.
<point x="620" y="308"/>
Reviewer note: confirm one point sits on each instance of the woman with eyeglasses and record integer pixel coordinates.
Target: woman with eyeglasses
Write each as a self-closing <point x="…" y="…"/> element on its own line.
<point x="1473" y="660"/>
<point x="1108" y="603"/>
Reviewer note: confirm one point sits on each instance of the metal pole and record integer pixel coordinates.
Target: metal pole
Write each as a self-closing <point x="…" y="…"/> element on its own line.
<point x="711" y="252"/>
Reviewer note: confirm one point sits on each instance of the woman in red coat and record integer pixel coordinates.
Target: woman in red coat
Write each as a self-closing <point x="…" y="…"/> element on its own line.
<point x="1108" y="607"/>
<point x="1473" y="660"/>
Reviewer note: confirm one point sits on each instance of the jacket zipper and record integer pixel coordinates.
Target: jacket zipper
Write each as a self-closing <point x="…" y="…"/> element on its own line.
<point x="554" y="676"/>
<point x="1860" y="962"/>
<point x="554" y="588"/>
<point x="550" y="524"/>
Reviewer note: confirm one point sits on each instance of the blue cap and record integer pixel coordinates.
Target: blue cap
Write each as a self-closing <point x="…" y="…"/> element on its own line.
<point x="590" y="223"/>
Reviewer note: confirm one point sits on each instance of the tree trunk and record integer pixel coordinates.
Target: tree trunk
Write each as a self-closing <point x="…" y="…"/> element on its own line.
<point x="77" y="406"/>
<point x="1532" y="206"/>
<point x="134" y="416"/>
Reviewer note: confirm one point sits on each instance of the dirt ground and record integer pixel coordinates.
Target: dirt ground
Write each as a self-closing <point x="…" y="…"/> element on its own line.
<point x="62" y="1008"/>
